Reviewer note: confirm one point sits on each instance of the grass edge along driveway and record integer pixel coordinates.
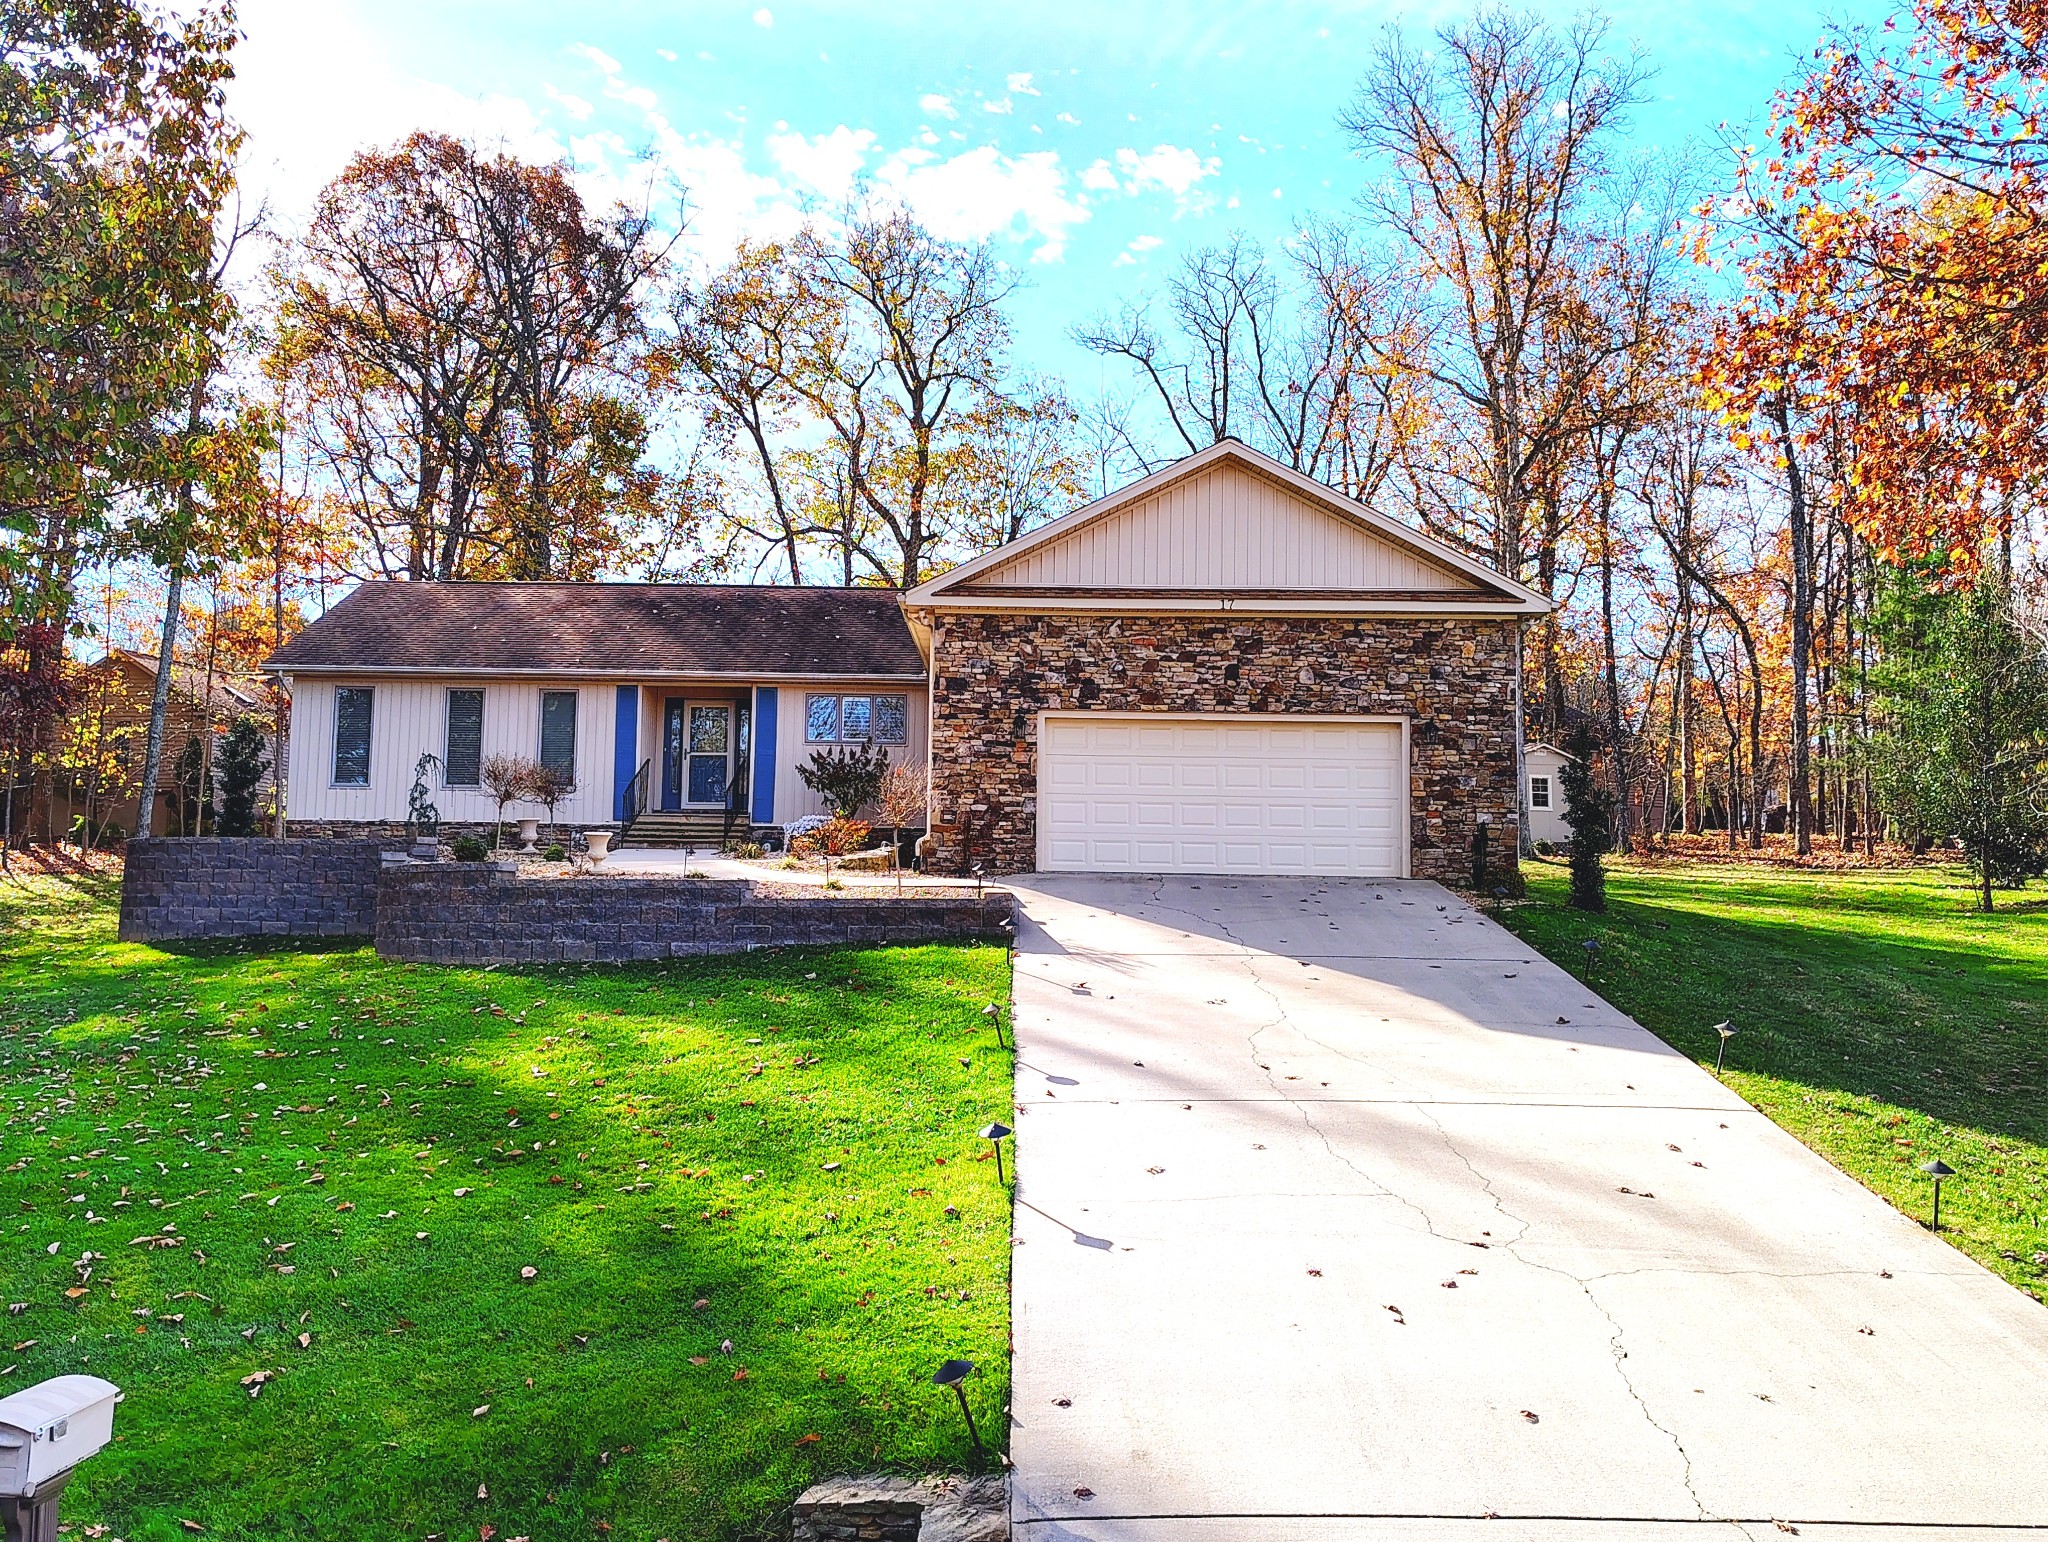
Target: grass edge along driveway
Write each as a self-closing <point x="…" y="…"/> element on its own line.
<point x="1878" y="1018"/>
<point x="399" y="1251"/>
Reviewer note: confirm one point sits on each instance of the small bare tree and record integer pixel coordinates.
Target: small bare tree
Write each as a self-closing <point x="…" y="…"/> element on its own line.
<point x="507" y="779"/>
<point x="901" y="802"/>
<point x="550" y="785"/>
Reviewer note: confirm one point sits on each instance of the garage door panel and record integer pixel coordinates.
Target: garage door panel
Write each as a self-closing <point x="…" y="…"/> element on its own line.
<point x="1199" y="795"/>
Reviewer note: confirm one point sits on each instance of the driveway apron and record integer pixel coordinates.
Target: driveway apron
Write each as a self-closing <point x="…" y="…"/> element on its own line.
<point x="1340" y="1213"/>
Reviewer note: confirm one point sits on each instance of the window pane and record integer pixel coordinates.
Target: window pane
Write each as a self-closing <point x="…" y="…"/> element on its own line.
<point x="853" y="718"/>
<point x="558" y="731"/>
<point x="892" y="720"/>
<point x="821" y="719"/>
<point x="462" y="766"/>
<point x="1539" y="792"/>
<point x="352" y="736"/>
<point x="707" y="730"/>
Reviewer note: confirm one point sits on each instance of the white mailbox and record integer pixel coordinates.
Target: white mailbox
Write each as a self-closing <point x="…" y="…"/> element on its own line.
<point x="51" y="1427"/>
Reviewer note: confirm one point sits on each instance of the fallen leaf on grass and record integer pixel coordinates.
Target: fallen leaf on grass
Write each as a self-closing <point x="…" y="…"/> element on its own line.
<point x="808" y="1440"/>
<point x="529" y="1273"/>
<point x="479" y="1411"/>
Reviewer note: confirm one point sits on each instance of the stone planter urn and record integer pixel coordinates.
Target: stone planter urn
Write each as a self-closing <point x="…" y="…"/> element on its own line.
<point x="599" y="842"/>
<point x="529" y="834"/>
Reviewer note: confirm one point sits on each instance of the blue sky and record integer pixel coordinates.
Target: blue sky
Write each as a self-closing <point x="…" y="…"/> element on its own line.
<point x="1092" y="142"/>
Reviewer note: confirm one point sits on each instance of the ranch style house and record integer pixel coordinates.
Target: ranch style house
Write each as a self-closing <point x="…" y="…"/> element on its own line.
<point x="1225" y="667"/>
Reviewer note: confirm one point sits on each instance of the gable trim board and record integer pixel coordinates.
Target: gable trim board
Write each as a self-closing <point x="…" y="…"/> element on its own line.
<point x="1228" y="529"/>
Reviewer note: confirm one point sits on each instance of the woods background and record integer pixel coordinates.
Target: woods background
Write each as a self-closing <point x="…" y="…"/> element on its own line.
<point x="1763" y="418"/>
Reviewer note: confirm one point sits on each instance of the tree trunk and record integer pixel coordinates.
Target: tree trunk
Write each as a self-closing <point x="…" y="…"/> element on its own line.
<point x="159" y="704"/>
<point x="1802" y="632"/>
<point x="1616" y="748"/>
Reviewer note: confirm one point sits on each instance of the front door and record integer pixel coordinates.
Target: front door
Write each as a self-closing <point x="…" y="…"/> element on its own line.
<point x="708" y="731"/>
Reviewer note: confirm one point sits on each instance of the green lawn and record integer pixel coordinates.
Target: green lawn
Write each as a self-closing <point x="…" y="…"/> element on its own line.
<point x="1879" y="1019"/>
<point x="335" y="1173"/>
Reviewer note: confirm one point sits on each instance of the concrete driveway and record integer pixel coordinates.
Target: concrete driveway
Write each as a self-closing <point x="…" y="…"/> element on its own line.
<point x="1341" y="1214"/>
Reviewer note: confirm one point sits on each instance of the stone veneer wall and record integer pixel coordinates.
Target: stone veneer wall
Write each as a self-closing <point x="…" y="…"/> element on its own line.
<point x="1454" y="679"/>
<point x="463" y="913"/>
<point x="215" y="887"/>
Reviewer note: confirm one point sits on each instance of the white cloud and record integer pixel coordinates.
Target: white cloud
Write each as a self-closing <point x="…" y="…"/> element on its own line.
<point x="829" y="165"/>
<point x="1020" y="84"/>
<point x="1136" y="249"/>
<point x="1098" y="178"/>
<point x="1067" y="117"/>
<point x="574" y="106"/>
<point x="667" y="53"/>
<point x="602" y="61"/>
<point x="764" y="17"/>
<point x="1000" y="104"/>
<point x="937" y="105"/>
<point x="1174" y="168"/>
<point x="982" y="194"/>
<point x="304" y="125"/>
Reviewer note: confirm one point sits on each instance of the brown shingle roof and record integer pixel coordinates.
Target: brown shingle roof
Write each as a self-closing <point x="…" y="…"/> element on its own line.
<point x="622" y="629"/>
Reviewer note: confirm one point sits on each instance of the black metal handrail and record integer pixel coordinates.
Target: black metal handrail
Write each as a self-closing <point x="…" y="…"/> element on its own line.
<point x="735" y="801"/>
<point x="633" y="801"/>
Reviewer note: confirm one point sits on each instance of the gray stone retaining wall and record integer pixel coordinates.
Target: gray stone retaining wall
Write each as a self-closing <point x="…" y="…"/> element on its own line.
<point x="456" y="913"/>
<point x="218" y="887"/>
<point x="221" y="888"/>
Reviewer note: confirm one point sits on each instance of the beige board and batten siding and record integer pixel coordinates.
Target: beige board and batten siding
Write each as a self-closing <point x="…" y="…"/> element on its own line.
<point x="793" y="800"/>
<point x="1225" y="528"/>
<point x="411" y="716"/>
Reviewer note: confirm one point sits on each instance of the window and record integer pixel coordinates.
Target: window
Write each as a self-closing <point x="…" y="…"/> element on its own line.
<point x="352" y="705"/>
<point x="558" y="731"/>
<point x="857" y="719"/>
<point x="1539" y="792"/>
<point x="462" y="762"/>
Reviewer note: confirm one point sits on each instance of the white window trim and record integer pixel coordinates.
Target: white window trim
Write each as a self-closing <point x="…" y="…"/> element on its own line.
<point x="482" y="723"/>
<point x="1544" y="803"/>
<point x="370" y="748"/>
<point x="839" y="717"/>
<point x="540" y="725"/>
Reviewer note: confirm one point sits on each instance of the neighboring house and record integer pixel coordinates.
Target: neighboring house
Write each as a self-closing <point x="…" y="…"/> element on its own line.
<point x="1225" y="667"/>
<point x="1544" y="765"/>
<point x="101" y="755"/>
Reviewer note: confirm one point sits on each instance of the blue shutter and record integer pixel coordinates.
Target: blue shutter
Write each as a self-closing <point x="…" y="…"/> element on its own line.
<point x="625" y="746"/>
<point x="764" y="755"/>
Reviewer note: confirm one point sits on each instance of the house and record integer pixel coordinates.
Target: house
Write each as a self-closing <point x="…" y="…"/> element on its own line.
<point x="1544" y="764"/>
<point x="1224" y="667"/>
<point x="693" y="701"/>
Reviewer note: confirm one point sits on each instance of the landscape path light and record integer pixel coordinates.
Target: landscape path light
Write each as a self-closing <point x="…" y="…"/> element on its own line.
<point x="1727" y="1031"/>
<point x="995" y="1014"/>
<point x="993" y="1134"/>
<point x="1937" y="1170"/>
<point x="952" y="1374"/>
<point x="1592" y="947"/>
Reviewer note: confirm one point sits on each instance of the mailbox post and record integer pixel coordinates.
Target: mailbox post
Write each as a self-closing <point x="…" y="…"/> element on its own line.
<point x="45" y="1432"/>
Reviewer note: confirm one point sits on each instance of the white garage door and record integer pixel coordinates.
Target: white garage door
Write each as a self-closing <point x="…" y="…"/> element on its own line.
<point x="1163" y="794"/>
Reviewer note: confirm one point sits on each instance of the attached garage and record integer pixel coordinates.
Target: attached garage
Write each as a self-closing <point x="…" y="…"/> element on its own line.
<point x="1225" y="668"/>
<point x="1159" y="793"/>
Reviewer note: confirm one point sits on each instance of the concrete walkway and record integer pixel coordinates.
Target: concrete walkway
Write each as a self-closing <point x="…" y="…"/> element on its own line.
<point x="1341" y="1214"/>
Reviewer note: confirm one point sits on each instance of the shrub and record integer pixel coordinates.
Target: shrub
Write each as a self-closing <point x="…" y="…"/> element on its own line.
<point x="556" y="853"/>
<point x="848" y="779"/>
<point x="1546" y="848"/>
<point x="239" y="766"/>
<point x="1589" y="810"/>
<point x="470" y="848"/>
<point x="507" y="779"/>
<point x="745" y="850"/>
<point x="834" y="838"/>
